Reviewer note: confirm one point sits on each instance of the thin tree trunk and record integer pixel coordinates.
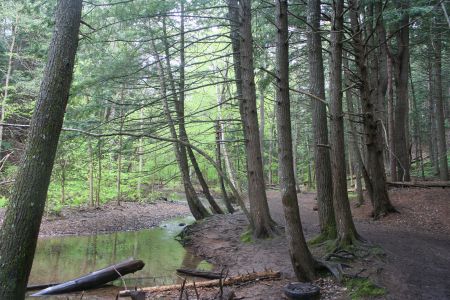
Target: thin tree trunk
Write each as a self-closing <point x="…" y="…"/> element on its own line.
<point x="401" y="111"/>
<point x="141" y="155"/>
<point x="119" y="155"/>
<point x="23" y="217"/>
<point x="179" y="107"/>
<point x="91" y="173"/>
<point x="197" y="209"/>
<point x="417" y="135"/>
<point x="346" y="230"/>
<point x="391" y="122"/>
<point x="440" y="121"/>
<point x="301" y="258"/>
<point x="225" y="197"/>
<point x="8" y="77"/>
<point x="99" y="175"/>
<point x="322" y="161"/>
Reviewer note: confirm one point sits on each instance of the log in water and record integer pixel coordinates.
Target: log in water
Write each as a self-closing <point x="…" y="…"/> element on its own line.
<point x="94" y="279"/>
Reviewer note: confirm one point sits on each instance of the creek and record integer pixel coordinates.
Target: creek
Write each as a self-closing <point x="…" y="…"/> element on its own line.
<point x="59" y="259"/>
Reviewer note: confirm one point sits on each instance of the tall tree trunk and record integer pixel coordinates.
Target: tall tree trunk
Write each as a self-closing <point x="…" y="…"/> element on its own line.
<point x="360" y="169"/>
<point x="261" y="123"/>
<point x="7" y="79"/>
<point x="401" y="126"/>
<point x="263" y="225"/>
<point x="417" y="131"/>
<point x="99" y="175"/>
<point x="322" y="161"/>
<point x="372" y="125"/>
<point x="346" y="230"/>
<point x="223" y="146"/>
<point x="119" y="155"/>
<point x="432" y="120"/>
<point x="440" y="121"/>
<point x="141" y="154"/>
<point x="391" y="122"/>
<point x="196" y="207"/>
<point x="178" y="98"/>
<point x="91" y="173"/>
<point x="301" y="258"/>
<point x="23" y="217"/>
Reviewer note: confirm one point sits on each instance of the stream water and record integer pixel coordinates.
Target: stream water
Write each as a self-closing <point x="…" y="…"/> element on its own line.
<point x="60" y="259"/>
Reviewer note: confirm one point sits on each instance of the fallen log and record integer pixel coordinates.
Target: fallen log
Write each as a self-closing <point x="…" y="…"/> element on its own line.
<point x="210" y="283"/>
<point x="199" y="273"/>
<point x="94" y="279"/>
<point x="35" y="287"/>
<point x="444" y="184"/>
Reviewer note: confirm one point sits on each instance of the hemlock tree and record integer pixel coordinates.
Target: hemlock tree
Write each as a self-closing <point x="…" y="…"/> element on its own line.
<point x="23" y="217"/>
<point x="302" y="260"/>
<point x="262" y="223"/>
<point x="346" y="230"/>
<point x="319" y="124"/>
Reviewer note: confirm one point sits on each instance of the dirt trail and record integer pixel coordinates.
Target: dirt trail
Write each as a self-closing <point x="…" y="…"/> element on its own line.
<point x="417" y="244"/>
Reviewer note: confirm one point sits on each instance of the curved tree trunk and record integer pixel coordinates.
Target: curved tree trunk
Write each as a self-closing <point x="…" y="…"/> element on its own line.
<point x="23" y="217"/>
<point x="302" y="260"/>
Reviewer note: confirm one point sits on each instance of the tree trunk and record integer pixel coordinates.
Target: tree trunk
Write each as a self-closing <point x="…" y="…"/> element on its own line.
<point x="301" y="258"/>
<point x="432" y="120"/>
<point x="401" y="110"/>
<point x="417" y="131"/>
<point x="440" y="120"/>
<point x="371" y="124"/>
<point x="225" y="197"/>
<point x="91" y="173"/>
<point x="322" y="161"/>
<point x="196" y="207"/>
<point x="391" y="122"/>
<point x="8" y="77"/>
<point x="23" y="217"/>
<point x="346" y="230"/>
<point x="262" y="223"/>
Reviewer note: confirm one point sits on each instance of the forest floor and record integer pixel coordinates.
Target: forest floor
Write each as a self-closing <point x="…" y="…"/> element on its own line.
<point x="415" y="263"/>
<point x="109" y="217"/>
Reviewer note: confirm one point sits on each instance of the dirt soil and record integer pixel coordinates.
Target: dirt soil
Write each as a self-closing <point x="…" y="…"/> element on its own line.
<point x="109" y="218"/>
<point x="416" y="242"/>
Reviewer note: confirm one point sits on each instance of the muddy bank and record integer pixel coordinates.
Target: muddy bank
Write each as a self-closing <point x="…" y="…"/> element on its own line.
<point x="129" y="216"/>
<point x="415" y="245"/>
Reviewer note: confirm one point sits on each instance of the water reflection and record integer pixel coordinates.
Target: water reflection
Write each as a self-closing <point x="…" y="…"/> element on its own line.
<point x="64" y="258"/>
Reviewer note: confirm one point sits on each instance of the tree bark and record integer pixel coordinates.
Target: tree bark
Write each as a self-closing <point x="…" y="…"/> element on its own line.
<point x="322" y="161"/>
<point x="371" y="123"/>
<point x="23" y="217"/>
<point x="262" y="224"/>
<point x="401" y="110"/>
<point x="301" y="258"/>
<point x="346" y="230"/>
<point x="440" y="120"/>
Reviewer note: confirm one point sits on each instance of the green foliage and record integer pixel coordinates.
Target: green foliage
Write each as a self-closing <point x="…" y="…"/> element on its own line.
<point x="3" y="201"/>
<point x="247" y="236"/>
<point x="361" y="288"/>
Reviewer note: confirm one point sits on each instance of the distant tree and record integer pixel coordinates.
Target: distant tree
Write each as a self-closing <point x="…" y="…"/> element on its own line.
<point x="23" y="217"/>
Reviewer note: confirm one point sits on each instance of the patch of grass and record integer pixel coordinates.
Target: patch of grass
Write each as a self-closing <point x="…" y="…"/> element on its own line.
<point x="363" y="287"/>
<point x="247" y="236"/>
